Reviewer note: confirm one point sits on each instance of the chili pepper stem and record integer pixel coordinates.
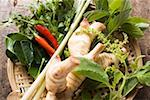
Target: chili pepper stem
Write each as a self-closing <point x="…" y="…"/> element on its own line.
<point x="41" y="77"/>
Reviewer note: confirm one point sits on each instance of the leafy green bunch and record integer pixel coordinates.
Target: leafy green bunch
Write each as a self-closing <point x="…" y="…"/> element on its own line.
<point x="111" y="83"/>
<point x="116" y="16"/>
<point x="56" y="15"/>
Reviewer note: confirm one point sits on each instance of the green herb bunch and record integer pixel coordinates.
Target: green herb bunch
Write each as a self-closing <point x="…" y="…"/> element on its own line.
<point x="56" y="15"/>
<point x="114" y="82"/>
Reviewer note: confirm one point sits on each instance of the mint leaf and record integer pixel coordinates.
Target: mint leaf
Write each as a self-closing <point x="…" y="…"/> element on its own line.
<point x="92" y="70"/>
<point x="132" y="30"/>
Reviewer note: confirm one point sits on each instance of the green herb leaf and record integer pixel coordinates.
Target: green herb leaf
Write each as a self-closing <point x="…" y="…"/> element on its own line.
<point x="9" y="44"/>
<point x="24" y="52"/>
<point x="115" y="22"/>
<point x="136" y="20"/>
<point x="33" y="70"/>
<point x="132" y="30"/>
<point x="129" y="86"/>
<point x="89" y="85"/>
<point x="11" y="55"/>
<point x="117" y="76"/>
<point x="102" y="5"/>
<point x="10" y="40"/>
<point x="95" y="15"/>
<point x="92" y="70"/>
<point x="144" y="79"/>
<point x="115" y="5"/>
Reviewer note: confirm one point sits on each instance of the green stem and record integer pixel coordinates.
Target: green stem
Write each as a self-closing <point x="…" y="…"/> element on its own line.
<point x="42" y="62"/>
<point x="79" y="9"/>
<point x="110" y="96"/>
<point x="41" y="77"/>
<point x="39" y="91"/>
<point x="26" y="21"/>
<point x="119" y="93"/>
<point x="126" y="68"/>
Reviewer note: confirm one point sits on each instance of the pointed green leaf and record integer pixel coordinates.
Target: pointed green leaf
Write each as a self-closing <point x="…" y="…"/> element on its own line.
<point x="95" y="15"/>
<point x="129" y="86"/>
<point x="102" y="5"/>
<point x="115" y="5"/>
<point x="117" y="76"/>
<point x="144" y="79"/>
<point x="92" y="70"/>
<point x="137" y="20"/>
<point x="132" y="30"/>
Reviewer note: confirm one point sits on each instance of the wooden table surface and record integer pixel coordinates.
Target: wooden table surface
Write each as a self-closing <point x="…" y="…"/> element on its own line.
<point x="140" y="8"/>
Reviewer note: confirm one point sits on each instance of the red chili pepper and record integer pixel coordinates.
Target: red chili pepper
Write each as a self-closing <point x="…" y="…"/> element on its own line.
<point x="44" y="31"/>
<point x="44" y="44"/>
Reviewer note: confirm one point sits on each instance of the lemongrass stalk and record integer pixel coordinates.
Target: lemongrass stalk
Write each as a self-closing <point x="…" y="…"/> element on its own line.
<point x="79" y="8"/>
<point x="41" y="77"/>
<point x="39" y="91"/>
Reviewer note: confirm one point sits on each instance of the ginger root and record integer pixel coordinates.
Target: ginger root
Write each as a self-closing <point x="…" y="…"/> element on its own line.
<point x="106" y="59"/>
<point x="56" y="76"/>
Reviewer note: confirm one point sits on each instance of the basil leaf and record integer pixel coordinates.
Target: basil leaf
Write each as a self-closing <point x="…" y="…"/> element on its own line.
<point x="24" y="52"/>
<point x="132" y="30"/>
<point x="129" y="85"/>
<point x="92" y="70"/>
<point x="95" y="15"/>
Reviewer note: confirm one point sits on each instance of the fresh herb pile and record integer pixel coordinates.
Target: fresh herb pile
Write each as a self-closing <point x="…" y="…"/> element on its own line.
<point x="21" y="46"/>
<point x="56" y="16"/>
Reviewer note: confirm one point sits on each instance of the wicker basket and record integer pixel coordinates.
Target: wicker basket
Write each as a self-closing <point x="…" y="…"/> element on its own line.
<point x="20" y="80"/>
